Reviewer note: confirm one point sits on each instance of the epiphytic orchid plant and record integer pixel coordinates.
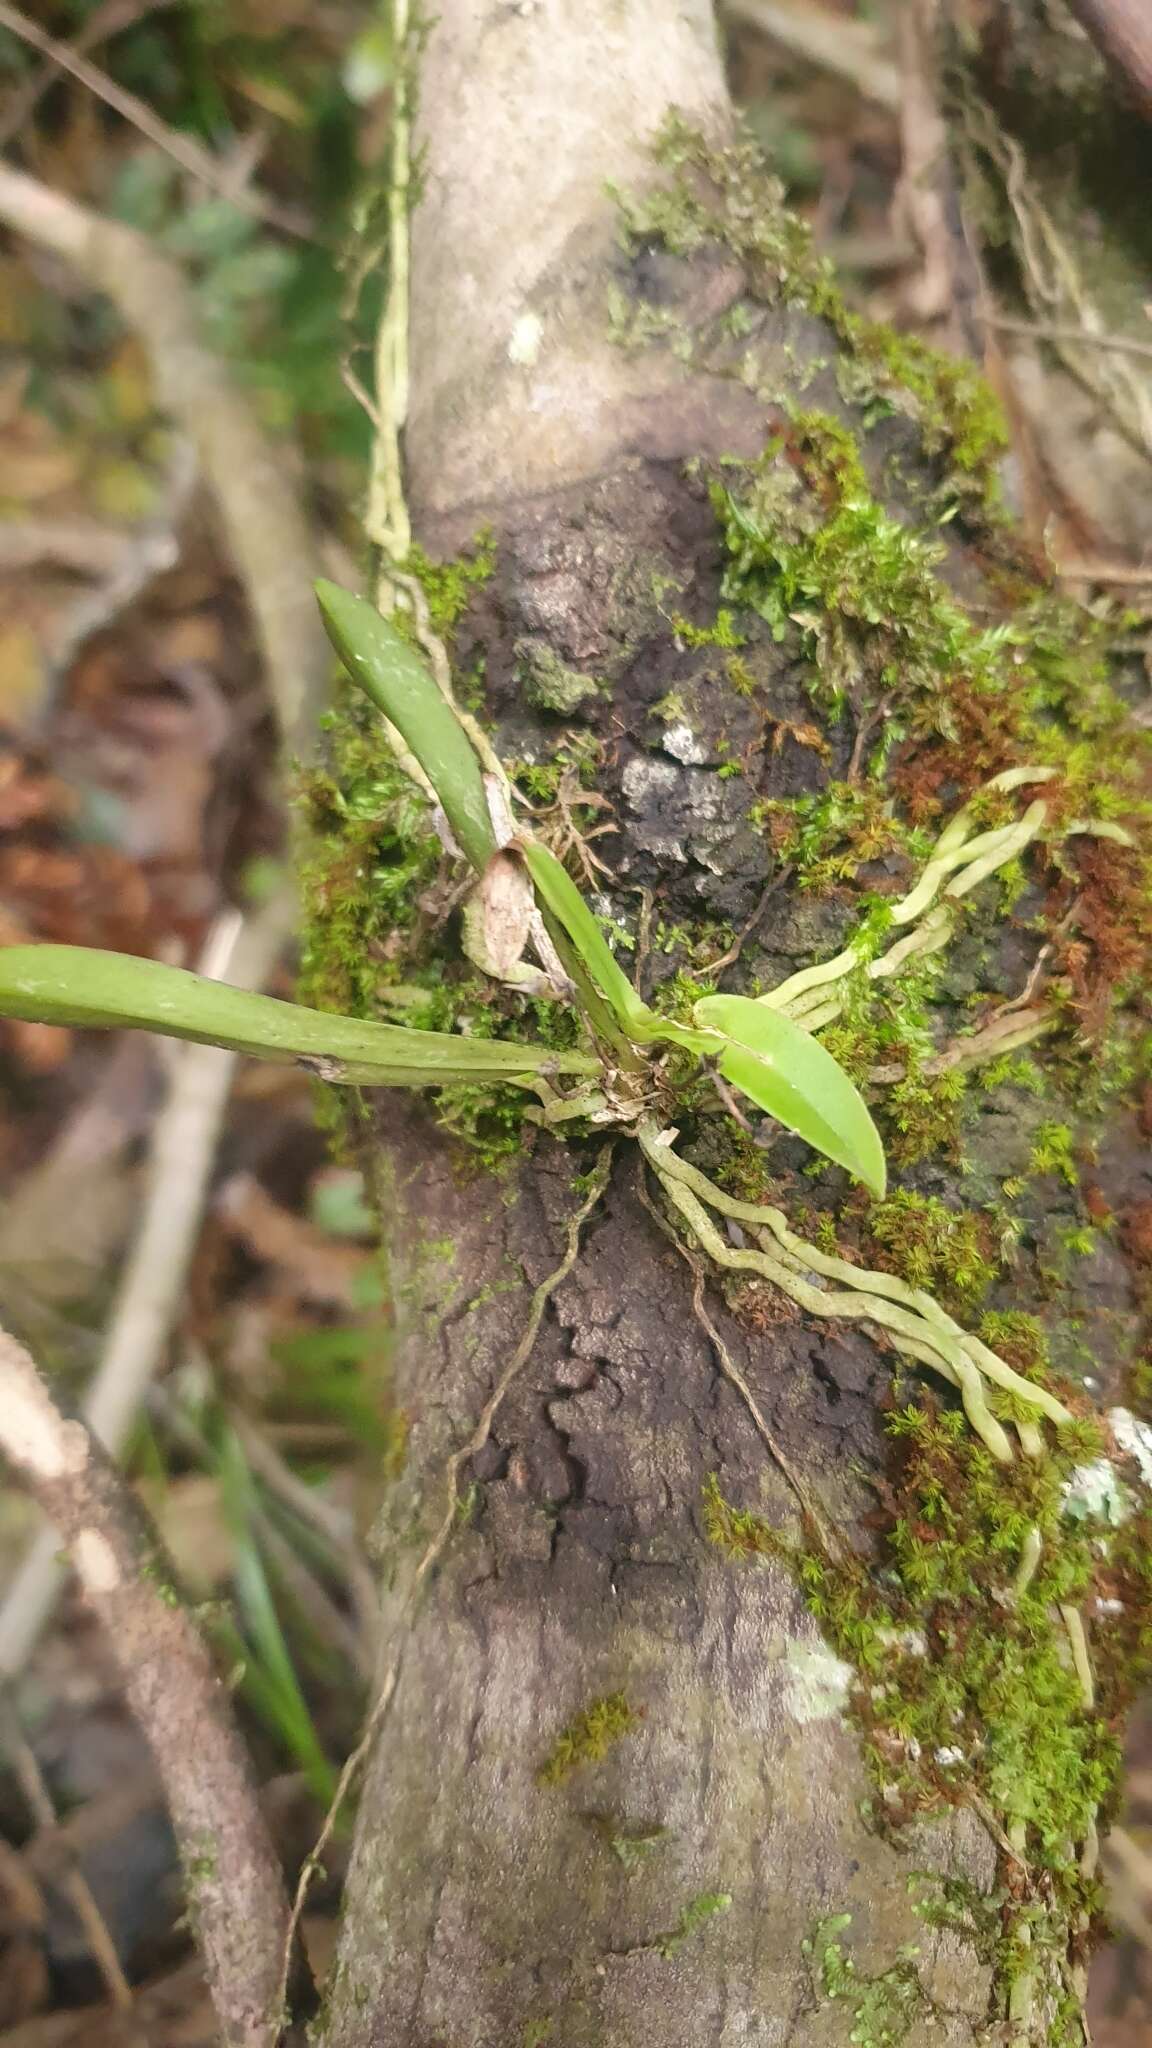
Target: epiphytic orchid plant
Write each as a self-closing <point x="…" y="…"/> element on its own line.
<point x="523" y="898"/>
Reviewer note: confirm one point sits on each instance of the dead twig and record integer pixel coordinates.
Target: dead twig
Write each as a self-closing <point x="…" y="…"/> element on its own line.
<point x="198" y="162"/>
<point x="772" y="889"/>
<point x="276" y="561"/>
<point x="1138" y="574"/>
<point x="107" y="21"/>
<point x="144" y="555"/>
<point x="832" y="42"/>
<point x="248" y="475"/>
<point x="231" y="1868"/>
<point x="82" y="546"/>
<point x="1083" y="337"/>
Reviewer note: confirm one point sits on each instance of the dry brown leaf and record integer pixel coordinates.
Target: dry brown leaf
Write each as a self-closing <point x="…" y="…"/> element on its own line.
<point x="314" y="1267"/>
<point x="497" y="915"/>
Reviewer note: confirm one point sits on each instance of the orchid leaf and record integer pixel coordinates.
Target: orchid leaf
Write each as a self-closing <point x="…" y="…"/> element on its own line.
<point x="80" y="985"/>
<point x="559" y="894"/>
<point x="390" y="671"/>
<point x="786" y="1071"/>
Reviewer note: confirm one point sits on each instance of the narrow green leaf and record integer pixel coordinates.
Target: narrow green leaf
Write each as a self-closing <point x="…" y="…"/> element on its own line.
<point x="83" y="986"/>
<point x="559" y="894"/>
<point x="788" y="1072"/>
<point x="391" y="672"/>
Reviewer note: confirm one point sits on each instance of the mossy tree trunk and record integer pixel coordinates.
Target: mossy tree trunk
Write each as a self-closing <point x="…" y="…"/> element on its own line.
<point x="624" y="1781"/>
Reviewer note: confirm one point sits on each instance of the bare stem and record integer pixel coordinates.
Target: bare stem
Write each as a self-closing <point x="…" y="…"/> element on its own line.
<point x="233" y="1876"/>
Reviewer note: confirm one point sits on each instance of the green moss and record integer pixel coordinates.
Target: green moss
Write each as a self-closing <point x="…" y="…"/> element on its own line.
<point x="884" y="2007"/>
<point x="967" y="1686"/>
<point x="722" y="634"/>
<point x="488" y="1120"/>
<point x="815" y="552"/>
<point x="200" y="1868"/>
<point x="370" y="853"/>
<point x="967" y="1691"/>
<point x="448" y="586"/>
<point x="632" y="1843"/>
<point x="1018" y="1339"/>
<point x="727" y="196"/>
<point x="826" y="836"/>
<point x="588" y="1737"/>
<point x="1052" y="1153"/>
<point x="375" y="886"/>
<point x="696" y="1914"/>
<point x="735" y="1531"/>
<point x="820" y="559"/>
<point x="951" y="1254"/>
<point x="922" y="1116"/>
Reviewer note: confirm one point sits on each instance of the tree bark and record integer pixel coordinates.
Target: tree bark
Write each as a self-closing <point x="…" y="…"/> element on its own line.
<point x="662" y="1891"/>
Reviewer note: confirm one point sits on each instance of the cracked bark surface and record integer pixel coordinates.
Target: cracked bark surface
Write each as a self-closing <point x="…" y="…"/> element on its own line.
<point x="485" y="1909"/>
<point x="482" y="1902"/>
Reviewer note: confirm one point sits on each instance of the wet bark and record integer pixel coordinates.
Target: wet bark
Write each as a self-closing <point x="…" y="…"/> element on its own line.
<point x="660" y="1894"/>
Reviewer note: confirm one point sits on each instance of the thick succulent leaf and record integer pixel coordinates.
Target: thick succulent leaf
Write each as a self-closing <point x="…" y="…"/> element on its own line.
<point x="391" y="672"/>
<point x="83" y="986"/>
<point x="559" y="894"/>
<point x="787" y="1071"/>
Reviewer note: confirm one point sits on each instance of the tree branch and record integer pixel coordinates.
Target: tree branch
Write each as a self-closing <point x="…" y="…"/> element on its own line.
<point x="233" y="1877"/>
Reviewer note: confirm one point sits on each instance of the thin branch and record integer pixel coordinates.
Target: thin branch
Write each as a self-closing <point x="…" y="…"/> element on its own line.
<point x="108" y="21"/>
<point x="848" y="49"/>
<point x="198" y="162"/>
<point x="1082" y="337"/>
<point x="1138" y="574"/>
<point x="231" y="1869"/>
<point x="182" y="1150"/>
<point x="251" y="478"/>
